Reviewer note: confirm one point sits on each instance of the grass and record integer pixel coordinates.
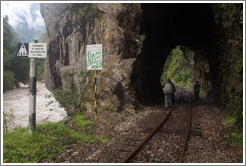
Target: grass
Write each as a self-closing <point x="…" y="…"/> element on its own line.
<point x="82" y="122"/>
<point x="105" y="140"/>
<point x="46" y="143"/>
<point x="235" y="137"/>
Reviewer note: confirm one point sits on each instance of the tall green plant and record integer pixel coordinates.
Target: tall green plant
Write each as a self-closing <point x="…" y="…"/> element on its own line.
<point x="8" y="120"/>
<point x="8" y="80"/>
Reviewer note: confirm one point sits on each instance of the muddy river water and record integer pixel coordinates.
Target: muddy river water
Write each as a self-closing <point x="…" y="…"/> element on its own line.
<point x="18" y="101"/>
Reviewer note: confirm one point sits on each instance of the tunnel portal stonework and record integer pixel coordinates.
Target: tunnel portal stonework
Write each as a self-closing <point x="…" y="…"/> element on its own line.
<point x="136" y="40"/>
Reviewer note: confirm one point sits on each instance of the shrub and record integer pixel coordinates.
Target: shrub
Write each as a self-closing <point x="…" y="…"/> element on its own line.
<point x="8" y="119"/>
<point x="8" y="80"/>
<point x="68" y="99"/>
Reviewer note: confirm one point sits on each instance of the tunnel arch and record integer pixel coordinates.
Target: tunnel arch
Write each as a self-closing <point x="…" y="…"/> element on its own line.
<point x="165" y="26"/>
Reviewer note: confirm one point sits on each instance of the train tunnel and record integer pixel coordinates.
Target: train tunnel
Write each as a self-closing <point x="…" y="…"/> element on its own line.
<point x="165" y="26"/>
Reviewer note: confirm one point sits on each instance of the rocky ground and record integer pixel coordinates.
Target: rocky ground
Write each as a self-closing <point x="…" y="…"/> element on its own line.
<point x="210" y="146"/>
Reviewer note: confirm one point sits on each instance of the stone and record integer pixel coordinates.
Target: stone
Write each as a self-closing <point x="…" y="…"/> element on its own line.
<point x="70" y="28"/>
<point x="135" y="46"/>
<point x="75" y="153"/>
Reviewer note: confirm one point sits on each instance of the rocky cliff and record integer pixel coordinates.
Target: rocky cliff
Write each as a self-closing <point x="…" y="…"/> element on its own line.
<point x="229" y="31"/>
<point x="73" y="26"/>
<point x="136" y="40"/>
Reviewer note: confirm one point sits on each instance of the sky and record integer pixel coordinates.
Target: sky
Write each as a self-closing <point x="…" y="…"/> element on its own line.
<point x="15" y="9"/>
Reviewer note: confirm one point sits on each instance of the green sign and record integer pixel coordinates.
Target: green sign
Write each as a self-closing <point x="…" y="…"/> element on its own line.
<point x="94" y="57"/>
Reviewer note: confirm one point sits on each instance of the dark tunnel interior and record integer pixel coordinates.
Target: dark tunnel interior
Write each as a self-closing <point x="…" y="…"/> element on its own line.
<point x="165" y="26"/>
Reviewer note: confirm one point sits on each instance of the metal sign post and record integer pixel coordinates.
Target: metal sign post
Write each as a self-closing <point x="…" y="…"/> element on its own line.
<point x="94" y="62"/>
<point x="32" y="94"/>
<point x="35" y="50"/>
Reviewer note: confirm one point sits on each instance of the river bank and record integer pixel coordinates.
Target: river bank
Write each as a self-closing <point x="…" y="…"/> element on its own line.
<point x="47" y="108"/>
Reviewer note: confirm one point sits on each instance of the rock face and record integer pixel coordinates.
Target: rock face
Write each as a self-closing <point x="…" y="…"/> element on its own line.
<point x="229" y="85"/>
<point x="136" y="40"/>
<point x="73" y="26"/>
<point x="199" y="67"/>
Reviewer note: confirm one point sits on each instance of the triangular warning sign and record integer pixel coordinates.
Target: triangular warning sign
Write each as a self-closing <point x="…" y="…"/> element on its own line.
<point x="23" y="49"/>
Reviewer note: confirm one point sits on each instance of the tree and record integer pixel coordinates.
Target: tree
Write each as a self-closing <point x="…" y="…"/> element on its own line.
<point x="15" y="69"/>
<point x="7" y="35"/>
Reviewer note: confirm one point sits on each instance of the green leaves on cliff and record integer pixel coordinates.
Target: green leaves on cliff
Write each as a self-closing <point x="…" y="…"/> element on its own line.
<point x="82" y="8"/>
<point x="176" y="68"/>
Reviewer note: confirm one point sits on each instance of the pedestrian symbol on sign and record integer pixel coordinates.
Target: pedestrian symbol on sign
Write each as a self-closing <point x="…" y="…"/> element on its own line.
<point x="23" y="49"/>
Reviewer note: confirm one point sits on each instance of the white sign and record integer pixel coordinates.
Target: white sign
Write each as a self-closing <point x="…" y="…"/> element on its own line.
<point x="37" y="50"/>
<point x="23" y="49"/>
<point x="94" y="57"/>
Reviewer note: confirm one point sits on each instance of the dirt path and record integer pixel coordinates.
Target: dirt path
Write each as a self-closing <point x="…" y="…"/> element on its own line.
<point x="18" y="100"/>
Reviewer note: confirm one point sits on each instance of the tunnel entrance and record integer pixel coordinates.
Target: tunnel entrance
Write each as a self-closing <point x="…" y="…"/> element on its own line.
<point x="165" y="26"/>
<point x="177" y="69"/>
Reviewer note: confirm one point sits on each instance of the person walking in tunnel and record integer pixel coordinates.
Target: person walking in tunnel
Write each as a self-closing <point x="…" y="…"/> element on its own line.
<point x="168" y="90"/>
<point x="173" y="91"/>
<point x="197" y="90"/>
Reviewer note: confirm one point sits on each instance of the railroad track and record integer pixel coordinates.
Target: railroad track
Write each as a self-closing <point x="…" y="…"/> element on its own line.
<point x="129" y="146"/>
<point x="165" y="126"/>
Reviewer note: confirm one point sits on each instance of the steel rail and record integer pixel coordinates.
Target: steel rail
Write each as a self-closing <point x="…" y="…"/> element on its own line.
<point x="135" y="150"/>
<point x="181" y="156"/>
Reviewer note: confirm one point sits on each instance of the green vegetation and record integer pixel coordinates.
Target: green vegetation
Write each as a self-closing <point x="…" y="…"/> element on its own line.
<point x="15" y="69"/>
<point x="69" y="99"/>
<point x="82" y="9"/>
<point x="229" y="19"/>
<point x="66" y="73"/>
<point x="8" y="119"/>
<point x="46" y="143"/>
<point x="40" y="69"/>
<point x="82" y="122"/>
<point x="176" y="68"/>
<point x="8" y="80"/>
<point x="235" y="137"/>
<point x="105" y="140"/>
